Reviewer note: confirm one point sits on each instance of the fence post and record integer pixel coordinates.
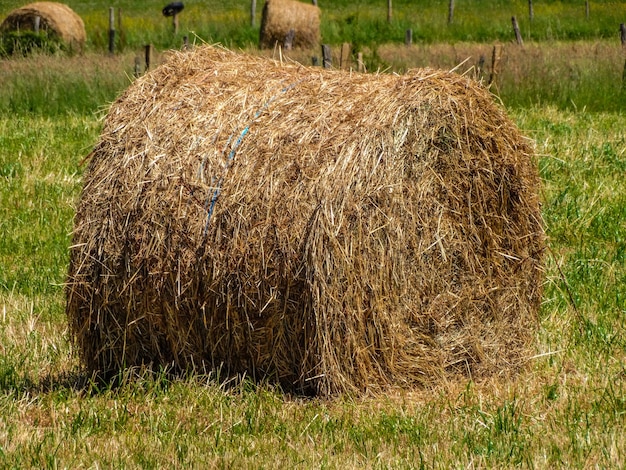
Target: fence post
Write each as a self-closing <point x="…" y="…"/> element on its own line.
<point x="408" y="37"/>
<point x="531" y="13"/>
<point x="315" y="2"/>
<point x="622" y="34"/>
<point x="518" y="35"/>
<point x="37" y="24"/>
<point x="587" y="9"/>
<point x="450" y="11"/>
<point x="495" y="63"/>
<point x="344" y="59"/>
<point x="175" y="22"/>
<point x="111" y="30"/>
<point x="137" y="66"/>
<point x="480" y="67"/>
<point x="148" y="56"/>
<point x="327" y="61"/>
<point x="389" y="11"/>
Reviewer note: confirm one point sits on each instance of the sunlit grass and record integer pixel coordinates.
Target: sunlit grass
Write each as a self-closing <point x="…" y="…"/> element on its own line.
<point x="567" y="409"/>
<point x="362" y="22"/>
<point x="49" y="86"/>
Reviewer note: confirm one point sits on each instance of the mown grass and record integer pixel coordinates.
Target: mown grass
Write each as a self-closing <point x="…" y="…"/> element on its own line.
<point x="567" y="409"/>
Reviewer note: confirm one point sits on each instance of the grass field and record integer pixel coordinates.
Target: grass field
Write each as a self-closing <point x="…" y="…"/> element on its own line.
<point x="360" y="22"/>
<point x="566" y="409"/>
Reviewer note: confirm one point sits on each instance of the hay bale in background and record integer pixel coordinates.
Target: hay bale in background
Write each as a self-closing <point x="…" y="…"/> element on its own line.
<point x="58" y="20"/>
<point x="334" y="232"/>
<point x="281" y="16"/>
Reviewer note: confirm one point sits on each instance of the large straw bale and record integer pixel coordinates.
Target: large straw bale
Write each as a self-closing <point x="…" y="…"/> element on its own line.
<point x="281" y="16"/>
<point x="57" y="19"/>
<point x="331" y="231"/>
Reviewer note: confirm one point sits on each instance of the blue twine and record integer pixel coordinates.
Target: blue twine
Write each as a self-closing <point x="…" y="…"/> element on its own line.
<point x="233" y="151"/>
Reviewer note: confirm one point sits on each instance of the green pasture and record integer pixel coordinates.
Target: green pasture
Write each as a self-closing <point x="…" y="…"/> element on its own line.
<point x="566" y="409"/>
<point x="361" y="22"/>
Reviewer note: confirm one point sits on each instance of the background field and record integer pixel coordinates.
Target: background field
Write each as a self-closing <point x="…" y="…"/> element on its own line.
<point x="361" y="22"/>
<point x="567" y="409"/>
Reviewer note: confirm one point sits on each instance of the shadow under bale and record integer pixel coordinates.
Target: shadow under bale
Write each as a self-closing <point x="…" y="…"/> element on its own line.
<point x="332" y="232"/>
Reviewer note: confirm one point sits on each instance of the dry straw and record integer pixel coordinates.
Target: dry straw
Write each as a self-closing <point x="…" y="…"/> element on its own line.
<point x="281" y="16"/>
<point x="55" y="18"/>
<point x="331" y="231"/>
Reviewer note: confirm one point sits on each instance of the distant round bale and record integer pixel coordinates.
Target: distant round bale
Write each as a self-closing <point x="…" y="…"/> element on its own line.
<point x="56" y="19"/>
<point x="331" y="232"/>
<point x="282" y="16"/>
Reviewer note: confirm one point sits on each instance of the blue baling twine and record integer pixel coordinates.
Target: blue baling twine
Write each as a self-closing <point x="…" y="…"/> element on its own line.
<point x="233" y="151"/>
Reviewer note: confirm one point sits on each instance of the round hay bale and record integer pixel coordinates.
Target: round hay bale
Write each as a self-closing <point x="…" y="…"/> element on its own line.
<point x="331" y="231"/>
<point x="281" y="16"/>
<point x="56" y="19"/>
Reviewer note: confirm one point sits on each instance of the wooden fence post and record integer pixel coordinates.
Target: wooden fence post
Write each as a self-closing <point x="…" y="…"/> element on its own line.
<point x="148" y="56"/>
<point x="587" y="9"/>
<point x="37" y="24"/>
<point x="344" y="58"/>
<point x="389" y="11"/>
<point x="111" y="30"/>
<point x="137" y="66"/>
<point x="450" y="11"/>
<point x="327" y="61"/>
<point x="480" y="66"/>
<point x="315" y="2"/>
<point x="622" y="34"/>
<point x="408" y="37"/>
<point x="252" y="12"/>
<point x="495" y="63"/>
<point x="175" y="22"/>
<point x="531" y="13"/>
<point x="518" y="35"/>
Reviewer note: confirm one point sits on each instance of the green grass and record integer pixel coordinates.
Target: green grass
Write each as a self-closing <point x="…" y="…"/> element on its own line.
<point x="566" y="410"/>
<point x="50" y="86"/>
<point x="361" y="22"/>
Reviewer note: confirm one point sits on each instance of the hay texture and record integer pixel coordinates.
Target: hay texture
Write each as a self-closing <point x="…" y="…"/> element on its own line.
<point x="281" y="16"/>
<point x="57" y="19"/>
<point x="332" y="232"/>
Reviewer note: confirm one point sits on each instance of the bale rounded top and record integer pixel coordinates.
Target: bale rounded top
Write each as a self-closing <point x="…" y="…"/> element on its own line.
<point x="280" y="17"/>
<point x="335" y="231"/>
<point x="56" y="18"/>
